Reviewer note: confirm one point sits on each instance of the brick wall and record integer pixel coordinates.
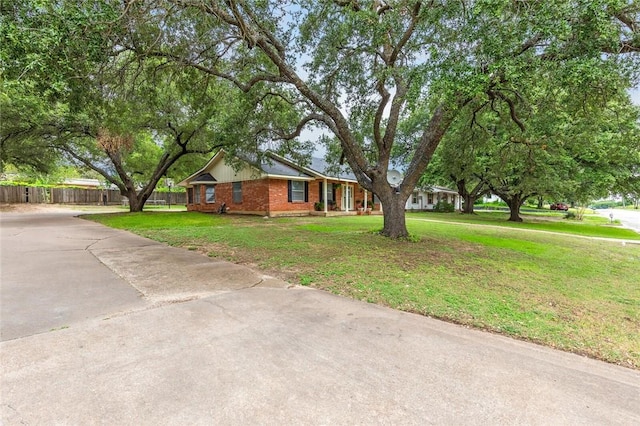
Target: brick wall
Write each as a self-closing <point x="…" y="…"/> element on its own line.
<point x="254" y="198"/>
<point x="278" y="199"/>
<point x="265" y="197"/>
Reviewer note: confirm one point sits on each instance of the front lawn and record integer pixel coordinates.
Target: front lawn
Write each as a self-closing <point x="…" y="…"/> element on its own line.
<point x="590" y="226"/>
<point x="575" y="294"/>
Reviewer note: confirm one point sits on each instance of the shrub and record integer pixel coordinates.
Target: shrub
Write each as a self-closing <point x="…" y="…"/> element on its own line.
<point x="443" y="207"/>
<point x="606" y="204"/>
<point x="570" y="215"/>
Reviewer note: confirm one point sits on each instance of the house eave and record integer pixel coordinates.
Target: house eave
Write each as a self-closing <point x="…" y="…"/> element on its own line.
<point x="287" y="177"/>
<point x="187" y="182"/>
<point x="311" y="171"/>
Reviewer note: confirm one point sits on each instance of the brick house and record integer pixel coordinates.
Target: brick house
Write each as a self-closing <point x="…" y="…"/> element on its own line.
<point x="276" y="187"/>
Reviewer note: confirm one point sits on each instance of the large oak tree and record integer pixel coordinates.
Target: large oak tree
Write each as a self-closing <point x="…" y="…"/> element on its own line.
<point x="359" y="68"/>
<point x="72" y="91"/>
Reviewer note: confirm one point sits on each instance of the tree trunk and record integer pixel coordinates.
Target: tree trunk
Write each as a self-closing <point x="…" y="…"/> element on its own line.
<point x="136" y="201"/>
<point x="469" y="197"/>
<point x="540" y="202"/>
<point x="514" y="204"/>
<point x="134" y="204"/>
<point x="394" y="216"/>
<point x="467" y="203"/>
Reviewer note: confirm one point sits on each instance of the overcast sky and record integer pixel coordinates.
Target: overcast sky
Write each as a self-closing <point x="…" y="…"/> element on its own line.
<point x="635" y="95"/>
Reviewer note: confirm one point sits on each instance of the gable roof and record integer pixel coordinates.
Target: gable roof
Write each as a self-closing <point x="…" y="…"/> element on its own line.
<point x="204" y="178"/>
<point x="273" y="166"/>
<point x="320" y="168"/>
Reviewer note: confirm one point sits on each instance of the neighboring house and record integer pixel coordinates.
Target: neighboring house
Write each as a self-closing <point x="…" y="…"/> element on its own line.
<point x="88" y="183"/>
<point x="276" y="187"/>
<point x="427" y="198"/>
<point x="491" y="198"/>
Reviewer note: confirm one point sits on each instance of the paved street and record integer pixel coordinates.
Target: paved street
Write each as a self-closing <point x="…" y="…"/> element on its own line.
<point x="629" y="218"/>
<point x="103" y="327"/>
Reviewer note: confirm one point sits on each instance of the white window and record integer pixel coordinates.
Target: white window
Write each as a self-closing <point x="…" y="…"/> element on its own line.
<point x="430" y="198"/>
<point x="297" y="191"/>
<point x="414" y="198"/>
<point x="210" y="194"/>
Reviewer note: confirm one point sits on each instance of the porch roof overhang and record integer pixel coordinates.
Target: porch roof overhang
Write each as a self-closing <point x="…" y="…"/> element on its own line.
<point x="289" y="177"/>
<point x="435" y="189"/>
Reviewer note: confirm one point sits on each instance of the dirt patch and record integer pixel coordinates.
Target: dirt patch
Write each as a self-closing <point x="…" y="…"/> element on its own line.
<point x="25" y="207"/>
<point x="33" y="207"/>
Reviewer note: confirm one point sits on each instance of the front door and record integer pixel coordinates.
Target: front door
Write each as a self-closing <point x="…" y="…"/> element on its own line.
<point x="347" y="198"/>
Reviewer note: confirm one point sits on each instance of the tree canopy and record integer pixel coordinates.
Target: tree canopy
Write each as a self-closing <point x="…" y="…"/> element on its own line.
<point x="360" y="69"/>
<point x="70" y="90"/>
<point x="572" y="142"/>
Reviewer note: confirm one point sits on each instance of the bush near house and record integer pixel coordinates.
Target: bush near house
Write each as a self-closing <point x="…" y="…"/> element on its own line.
<point x="443" y="207"/>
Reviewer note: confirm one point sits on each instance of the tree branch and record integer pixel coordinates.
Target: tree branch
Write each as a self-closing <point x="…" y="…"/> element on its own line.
<point x="245" y="87"/>
<point x="353" y="4"/>
<point x="512" y="108"/>
<point x="407" y="34"/>
<point x="86" y="162"/>
<point x="306" y="120"/>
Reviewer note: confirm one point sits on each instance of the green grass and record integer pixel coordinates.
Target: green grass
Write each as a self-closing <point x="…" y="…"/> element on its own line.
<point x="591" y="226"/>
<point x="576" y="294"/>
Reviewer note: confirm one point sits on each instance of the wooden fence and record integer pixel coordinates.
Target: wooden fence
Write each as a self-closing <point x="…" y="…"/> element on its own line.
<point x="39" y="195"/>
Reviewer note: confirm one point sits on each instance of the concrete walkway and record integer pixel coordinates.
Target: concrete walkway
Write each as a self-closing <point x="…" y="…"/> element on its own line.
<point x="156" y="335"/>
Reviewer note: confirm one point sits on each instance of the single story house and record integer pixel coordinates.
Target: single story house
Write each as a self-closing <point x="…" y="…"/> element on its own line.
<point x="427" y="198"/>
<point x="274" y="187"/>
<point x="280" y="187"/>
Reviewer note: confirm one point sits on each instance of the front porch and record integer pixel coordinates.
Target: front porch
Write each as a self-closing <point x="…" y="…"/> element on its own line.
<point x="332" y="213"/>
<point x="343" y="198"/>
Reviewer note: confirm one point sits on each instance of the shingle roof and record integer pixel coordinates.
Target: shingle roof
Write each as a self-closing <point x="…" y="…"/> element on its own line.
<point x="320" y="166"/>
<point x="274" y="167"/>
<point x="436" y="188"/>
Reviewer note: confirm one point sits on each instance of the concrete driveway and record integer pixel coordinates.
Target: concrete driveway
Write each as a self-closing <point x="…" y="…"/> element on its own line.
<point x="103" y="327"/>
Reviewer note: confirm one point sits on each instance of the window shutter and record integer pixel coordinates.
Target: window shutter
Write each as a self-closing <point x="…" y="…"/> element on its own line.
<point x="321" y="198"/>
<point x="289" y="196"/>
<point x="306" y="191"/>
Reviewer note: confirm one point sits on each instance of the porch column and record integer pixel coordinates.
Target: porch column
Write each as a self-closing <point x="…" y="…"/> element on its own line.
<point x="345" y="192"/>
<point x="326" y="202"/>
<point x="366" y="201"/>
